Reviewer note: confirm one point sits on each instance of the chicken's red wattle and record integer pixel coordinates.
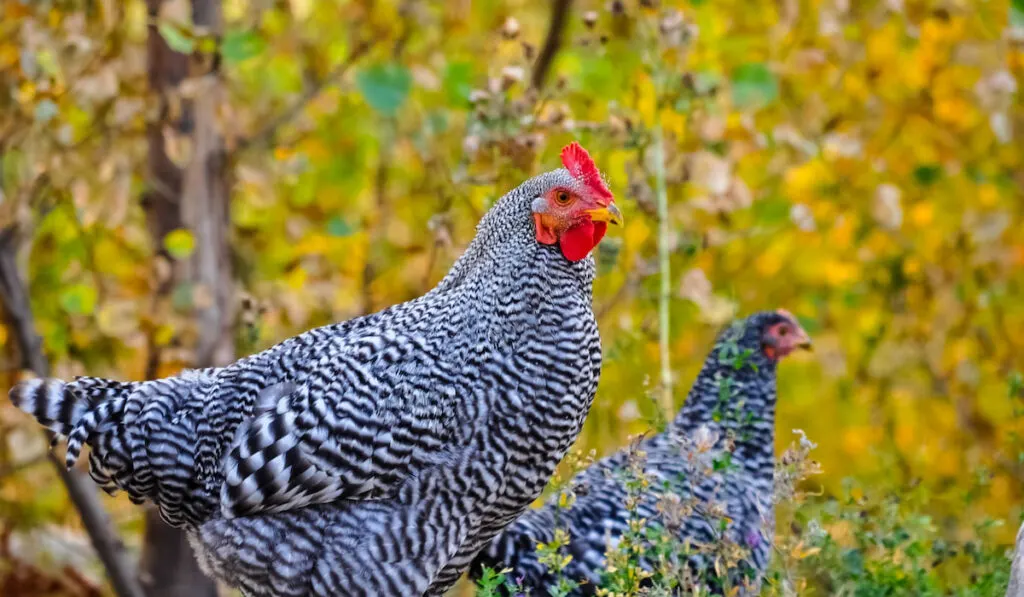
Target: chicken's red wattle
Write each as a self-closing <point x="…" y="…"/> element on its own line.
<point x="578" y="241"/>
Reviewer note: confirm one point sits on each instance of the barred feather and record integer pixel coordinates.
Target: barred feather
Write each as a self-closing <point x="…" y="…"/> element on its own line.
<point x="599" y="517"/>
<point x="370" y="457"/>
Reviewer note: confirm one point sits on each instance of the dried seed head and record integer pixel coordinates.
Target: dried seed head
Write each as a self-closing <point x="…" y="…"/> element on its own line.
<point x="670" y="22"/>
<point x="477" y="96"/>
<point x="590" y="18"/>
<point x="510" y="75"/>
<point x="617" y="7"/>
<point x="510" y="29"/>
<point x="532" y="141"/>
<point x="529" y="51"/>
<point x="471" y="144"/>
<point x="674" y="31"/>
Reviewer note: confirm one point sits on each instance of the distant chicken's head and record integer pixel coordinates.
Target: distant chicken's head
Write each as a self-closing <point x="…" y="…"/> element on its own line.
<point x="781" y="334"/>
<point x="575" y="209"/>
<point x="770" y="335"/>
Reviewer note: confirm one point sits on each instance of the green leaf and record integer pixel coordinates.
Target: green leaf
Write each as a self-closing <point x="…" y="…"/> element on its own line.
<point x="48" y="62"/>
<point x="180" y="243"/>
<point x="437" y="122"/>
<point x="1016" y="384"/>
<point x="597" y="74"/>
<point x="12" y="168"/>
<point x="927" y="174"/>
<point x="1017" y="13"/>
<point x="753" y="85"/>
<point x="385" y="87"/>
<point x="608" y="254"/>
<point x="772" y="210"/>
<point x="176" y="38"/>
<point x="79" y="299"/>
<point x="183" y="297"/>
<point x="338" y="227"/>
<point x="282" y="74"/>
<point x="458" y="83"/>
<point x="239" y="46"/>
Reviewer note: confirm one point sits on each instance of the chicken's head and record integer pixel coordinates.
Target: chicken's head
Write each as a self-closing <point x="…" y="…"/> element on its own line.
<point x="781" y="334"/>
<point x="575" y="211"/>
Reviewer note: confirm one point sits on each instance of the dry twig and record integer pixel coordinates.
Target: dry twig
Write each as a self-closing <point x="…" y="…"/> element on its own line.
<point x="97" y="523"/>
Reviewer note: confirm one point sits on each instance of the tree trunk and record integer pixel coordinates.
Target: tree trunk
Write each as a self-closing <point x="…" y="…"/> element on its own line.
<point x="196" y="198"/>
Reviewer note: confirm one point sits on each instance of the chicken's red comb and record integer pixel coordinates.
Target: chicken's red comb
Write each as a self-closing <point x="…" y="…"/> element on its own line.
<point x="785" y="313"/>
<point x="581" y="166"/>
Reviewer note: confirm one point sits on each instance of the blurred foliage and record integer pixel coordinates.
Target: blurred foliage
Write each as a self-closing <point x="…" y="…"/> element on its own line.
<point x="859" y="163"/>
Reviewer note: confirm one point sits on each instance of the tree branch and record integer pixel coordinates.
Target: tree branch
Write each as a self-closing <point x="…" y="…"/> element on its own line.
<point x="552" y="43"/>
<point x="97" y="523"/>
<point x="269" y="131"/>
<point x="664" y="251"/>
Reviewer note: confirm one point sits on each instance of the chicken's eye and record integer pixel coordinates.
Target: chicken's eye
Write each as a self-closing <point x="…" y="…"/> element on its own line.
<point x="783" y="331"/>
<point x="562" y="198"/>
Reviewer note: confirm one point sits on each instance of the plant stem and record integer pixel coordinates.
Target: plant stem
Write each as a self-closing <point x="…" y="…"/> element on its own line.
<point x="661" y="190"/>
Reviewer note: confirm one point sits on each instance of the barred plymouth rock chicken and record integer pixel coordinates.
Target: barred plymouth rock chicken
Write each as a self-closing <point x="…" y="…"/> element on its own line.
<point x="375" y="456"/>
<point x="731" y="403"/>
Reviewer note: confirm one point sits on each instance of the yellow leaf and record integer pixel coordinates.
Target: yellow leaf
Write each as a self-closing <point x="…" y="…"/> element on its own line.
<point x="314" y="244"/>
<point x="163" y="335"/>
<point x="180" y="243"/>
<point x="8" y="55"/>
<point x="923" y="214"/>
<point x="800" y="552"/>
<point x="26" y="93"/>
<point x="988" y="195"/>
<point x="883" y="46"/>
<point x="955" y="111"/>
<point x="802" y="182"/>
<point x="768" y="263"/>
<point x="296" y="279"/>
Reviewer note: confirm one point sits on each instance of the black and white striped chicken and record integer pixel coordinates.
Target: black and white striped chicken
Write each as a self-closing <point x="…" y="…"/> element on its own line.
<point x="378" y="455"/>
<point x="719" y="451"/>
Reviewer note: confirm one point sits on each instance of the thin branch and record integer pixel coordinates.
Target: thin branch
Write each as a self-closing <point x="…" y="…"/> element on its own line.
<point x="637" y="274"/>
<point x="269" y="131"/>
<point x="552" y="43"/>
<point x="108" y="545"/>
<point x="377" y="223"/>
<point x="664" y="250"/>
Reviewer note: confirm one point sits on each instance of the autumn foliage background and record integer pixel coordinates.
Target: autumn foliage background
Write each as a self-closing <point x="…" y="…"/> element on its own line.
<point x="858" y="163"/>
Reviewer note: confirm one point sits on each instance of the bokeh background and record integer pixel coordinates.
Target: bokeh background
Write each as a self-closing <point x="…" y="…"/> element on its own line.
<point x="184" y="182"/>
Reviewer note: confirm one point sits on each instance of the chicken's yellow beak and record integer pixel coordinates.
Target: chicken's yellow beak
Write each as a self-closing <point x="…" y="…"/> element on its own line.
<point x="803" y="340"/>
<point x="610" y="214"/>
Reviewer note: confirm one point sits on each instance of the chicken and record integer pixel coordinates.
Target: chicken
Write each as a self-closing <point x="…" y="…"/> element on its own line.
<point x="731" y="405"/>
<point x="374" y="456"/>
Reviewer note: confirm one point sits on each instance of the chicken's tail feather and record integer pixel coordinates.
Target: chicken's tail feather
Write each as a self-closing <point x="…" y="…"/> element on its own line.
<point x="76" y="410"/>
<point x="46" y="400"/>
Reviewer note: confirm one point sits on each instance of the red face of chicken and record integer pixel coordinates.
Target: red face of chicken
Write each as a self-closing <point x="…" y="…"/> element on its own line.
<point x="784" y="336"/>
<point x="576" y="216"/>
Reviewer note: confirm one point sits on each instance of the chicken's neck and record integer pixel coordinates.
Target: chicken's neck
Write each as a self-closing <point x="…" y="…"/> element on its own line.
<point x="505" y="252"/>
<point x="734" y="396"/>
